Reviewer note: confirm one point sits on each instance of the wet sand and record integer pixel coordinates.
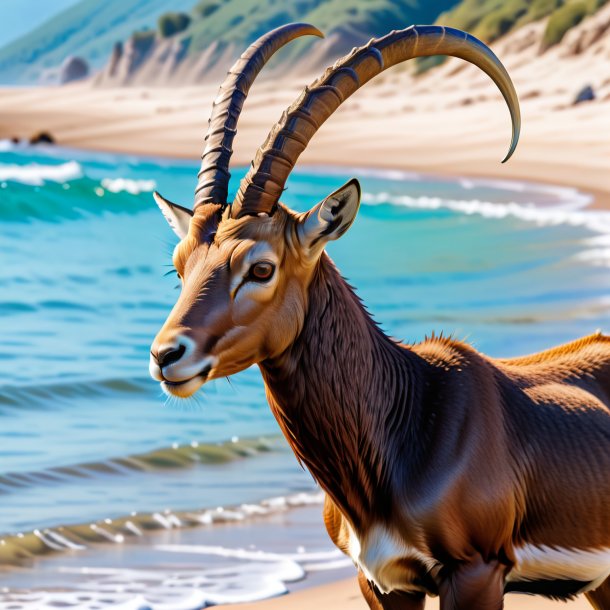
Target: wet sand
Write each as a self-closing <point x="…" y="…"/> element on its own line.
<point x="346" y="596"/>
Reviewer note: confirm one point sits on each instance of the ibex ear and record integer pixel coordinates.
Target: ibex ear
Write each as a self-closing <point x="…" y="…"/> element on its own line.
<point x="178" y="217"/>
<point x="331" y="217"/>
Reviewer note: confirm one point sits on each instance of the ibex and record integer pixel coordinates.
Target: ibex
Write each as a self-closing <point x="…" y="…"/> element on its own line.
<point x="446" y="472"/>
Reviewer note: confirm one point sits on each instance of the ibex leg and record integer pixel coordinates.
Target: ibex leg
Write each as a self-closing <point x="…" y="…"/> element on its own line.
<point x="389" y="601"/>
<point x="600" y="597"/>
<point x="475" y="585"/>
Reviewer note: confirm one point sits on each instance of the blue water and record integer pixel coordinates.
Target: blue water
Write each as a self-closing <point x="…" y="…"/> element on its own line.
<point x="512" y="268"/>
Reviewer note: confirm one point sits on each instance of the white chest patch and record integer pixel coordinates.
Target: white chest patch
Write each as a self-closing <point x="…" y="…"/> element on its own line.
<point x="378" y="554"/>
<point x="556" y="563"/>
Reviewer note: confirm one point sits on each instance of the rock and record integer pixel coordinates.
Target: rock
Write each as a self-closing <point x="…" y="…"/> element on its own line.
<point x="115" y="58"/>
<point x="73" y="69"/>
<point x="586" y="94"/>
<point x="42" y="137"/>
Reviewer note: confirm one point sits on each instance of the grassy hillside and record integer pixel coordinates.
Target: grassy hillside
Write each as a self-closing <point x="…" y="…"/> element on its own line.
<point x="243" y="20"/>
<point x="91" y="27"/>
<point x="88" y="29"/>
<point x="490" y="19"/>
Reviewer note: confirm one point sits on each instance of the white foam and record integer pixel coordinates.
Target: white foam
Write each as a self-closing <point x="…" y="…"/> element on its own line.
<point x="566" y="196"/>
<point x="595" y="256"/>
<point x="35" y="174"/>
<point x="244" y="575"/>
<point x="598" y="222"/>
<point x="250" y="576"/>
<point x="201" y="549"/>
<point x="7" y="145"/>
<point x="134" y="187"/>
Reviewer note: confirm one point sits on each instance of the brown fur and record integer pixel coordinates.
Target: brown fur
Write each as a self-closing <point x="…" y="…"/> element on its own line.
<point x="465" y="456"/>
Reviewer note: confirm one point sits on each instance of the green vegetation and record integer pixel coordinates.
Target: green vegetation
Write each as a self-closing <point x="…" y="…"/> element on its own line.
<point x="144" y="39"/>
<point x="90" y="28"/>
<point x="242" y="21"/>
<point x="205" y="8"/>
<point x="170" y="24"/>
<point x="564" y="18"/>
<point x="491" y="19"/>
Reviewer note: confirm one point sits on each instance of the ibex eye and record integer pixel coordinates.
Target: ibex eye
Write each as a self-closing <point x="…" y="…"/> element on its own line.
<point x="261" y="272"/>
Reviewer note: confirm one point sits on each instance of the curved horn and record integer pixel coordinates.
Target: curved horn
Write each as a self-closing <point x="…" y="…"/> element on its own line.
<point x="213" y="177"/>
<point x="262" y="187"/>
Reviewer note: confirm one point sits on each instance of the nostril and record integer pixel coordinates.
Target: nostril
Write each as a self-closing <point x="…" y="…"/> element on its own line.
<point x="170" y="355"/>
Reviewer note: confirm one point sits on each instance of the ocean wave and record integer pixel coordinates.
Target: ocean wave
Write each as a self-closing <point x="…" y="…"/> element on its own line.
<point x="35" y="174"/>
<point x="221" y="574"/>
<point x="20" y="548"/>
<point x="176" y="456"/>
<point x="66" y="192"/>
<point x="595" y="221"/>
<point x="561" y="196"/>
<point x="32" y="396"/>
<point x="565" y="196"/>
<point x="134" y="187"/>
<point x="7" y="145"/>
<point x="250" y="576"/>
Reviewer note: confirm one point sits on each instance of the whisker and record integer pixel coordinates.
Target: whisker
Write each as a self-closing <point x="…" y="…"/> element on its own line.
<point x="167" y="245"/>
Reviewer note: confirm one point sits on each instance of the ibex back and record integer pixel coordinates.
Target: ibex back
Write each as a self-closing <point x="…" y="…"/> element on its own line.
<point x="446" y="472"/>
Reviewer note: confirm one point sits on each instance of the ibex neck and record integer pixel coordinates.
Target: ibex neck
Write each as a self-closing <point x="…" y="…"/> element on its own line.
<point x="341" y="394"/>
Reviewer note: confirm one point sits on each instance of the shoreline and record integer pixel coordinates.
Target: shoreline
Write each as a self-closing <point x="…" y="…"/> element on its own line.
<point x="600" y="197"/>
<point x="565" y="147"/>
<point x="536" y="175"/>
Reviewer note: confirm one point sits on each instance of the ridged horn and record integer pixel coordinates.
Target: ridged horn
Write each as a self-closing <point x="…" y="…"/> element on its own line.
<point x="213" y="177"/>
<point x="262" y="187"/>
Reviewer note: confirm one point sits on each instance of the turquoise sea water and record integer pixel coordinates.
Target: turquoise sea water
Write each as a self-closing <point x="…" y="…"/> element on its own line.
<point x="512" y="268"/>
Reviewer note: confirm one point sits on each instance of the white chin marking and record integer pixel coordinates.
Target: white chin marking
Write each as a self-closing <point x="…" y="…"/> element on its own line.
<point x="550" y="563"/>
<point x="184" y="389"/>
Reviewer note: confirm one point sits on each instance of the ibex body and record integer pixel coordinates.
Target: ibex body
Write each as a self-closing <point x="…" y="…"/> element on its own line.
<point x="446" y="472"/>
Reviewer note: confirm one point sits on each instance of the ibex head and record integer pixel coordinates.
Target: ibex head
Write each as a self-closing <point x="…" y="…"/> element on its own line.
<point x="246" y="267"/>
